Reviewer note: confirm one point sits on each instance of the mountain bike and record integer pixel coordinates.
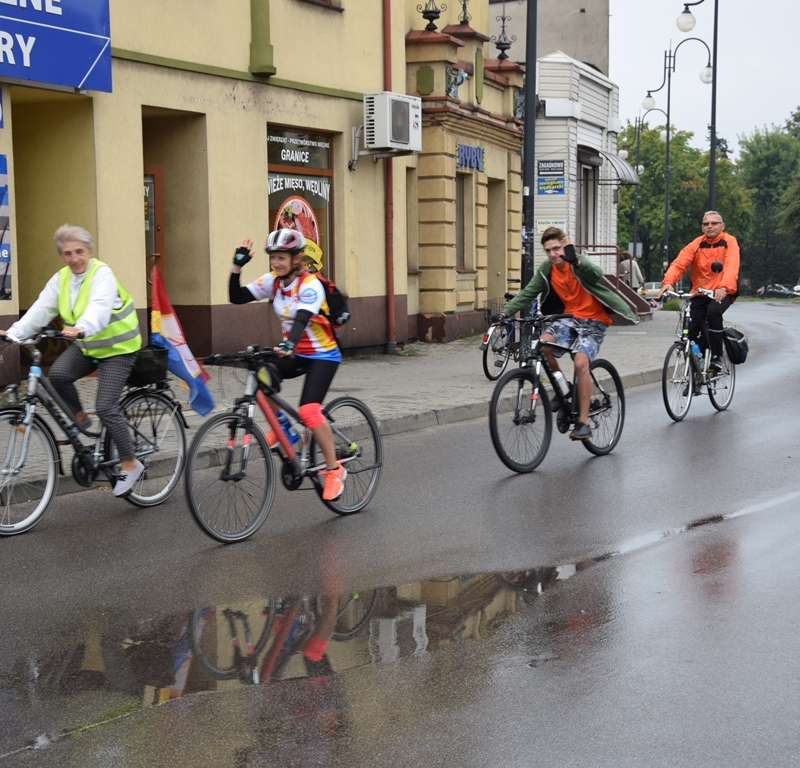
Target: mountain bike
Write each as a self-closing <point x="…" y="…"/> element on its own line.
<point x="230" y="477"/>
<point x="684" y="375"/>
<point x="520" y="412"/>
<point x="31" y="455"/>
<point x="500" y="342"/>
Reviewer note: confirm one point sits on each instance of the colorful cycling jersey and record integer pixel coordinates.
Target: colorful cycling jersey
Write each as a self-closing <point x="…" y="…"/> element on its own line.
<point x="304" y="292"/>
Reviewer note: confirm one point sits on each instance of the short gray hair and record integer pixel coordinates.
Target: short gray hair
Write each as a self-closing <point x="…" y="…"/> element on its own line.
<point x="67" y="233"/>
<point x="714" y="213"/>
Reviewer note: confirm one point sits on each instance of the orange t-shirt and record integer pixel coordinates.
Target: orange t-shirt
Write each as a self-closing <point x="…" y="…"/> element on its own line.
<point x="577" y="301"/>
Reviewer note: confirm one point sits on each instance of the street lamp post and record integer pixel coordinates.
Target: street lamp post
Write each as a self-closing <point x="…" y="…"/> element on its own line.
<point x="649" y="103"/>
<point x="637" y="130"/>
<point x="686" y="23"/>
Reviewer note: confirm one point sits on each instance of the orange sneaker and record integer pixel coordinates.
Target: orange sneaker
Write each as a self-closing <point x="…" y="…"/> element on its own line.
<point x="334" y="483"/>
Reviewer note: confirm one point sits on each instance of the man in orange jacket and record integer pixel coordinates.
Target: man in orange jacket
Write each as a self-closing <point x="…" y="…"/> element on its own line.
<point x="706" y="254"/>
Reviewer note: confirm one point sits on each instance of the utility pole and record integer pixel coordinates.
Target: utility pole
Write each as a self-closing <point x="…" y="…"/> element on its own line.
<point x="529" y="147"/>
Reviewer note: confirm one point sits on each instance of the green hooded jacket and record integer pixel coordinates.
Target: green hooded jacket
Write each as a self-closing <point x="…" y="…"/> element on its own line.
<point x="589" y="275"/>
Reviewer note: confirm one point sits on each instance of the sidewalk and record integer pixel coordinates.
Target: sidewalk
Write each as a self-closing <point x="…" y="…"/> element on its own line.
<point x="431" y="384"/>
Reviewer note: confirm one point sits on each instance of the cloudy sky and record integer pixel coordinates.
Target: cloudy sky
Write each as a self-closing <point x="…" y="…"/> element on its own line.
<point x="758" y="63"/>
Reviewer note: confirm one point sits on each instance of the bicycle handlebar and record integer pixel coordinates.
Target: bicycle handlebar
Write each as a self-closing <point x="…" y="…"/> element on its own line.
<point x="679" y="295"/>
<point x="253" y="354"/>
<point x="536" y="319"/>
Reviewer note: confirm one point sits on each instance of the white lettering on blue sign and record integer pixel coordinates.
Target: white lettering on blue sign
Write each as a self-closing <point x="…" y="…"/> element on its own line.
<point x="41" y="41"/>
<point x="50" y="6"/>
<point x="470" y="157"/>
<point x="7" y="48"/>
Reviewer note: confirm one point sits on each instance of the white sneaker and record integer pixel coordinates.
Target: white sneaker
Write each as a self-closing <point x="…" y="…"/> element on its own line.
<point x="126" y="481"/>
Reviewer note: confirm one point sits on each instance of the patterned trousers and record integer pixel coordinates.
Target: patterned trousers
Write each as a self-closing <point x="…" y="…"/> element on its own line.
<point x="112" y="373"/>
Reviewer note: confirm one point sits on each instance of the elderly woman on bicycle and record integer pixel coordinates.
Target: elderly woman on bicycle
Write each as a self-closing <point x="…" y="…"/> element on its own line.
<point x="99" y="316"/>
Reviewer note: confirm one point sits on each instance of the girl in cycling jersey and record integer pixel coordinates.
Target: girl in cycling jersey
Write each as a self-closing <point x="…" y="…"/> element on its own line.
<point x="309" y="345"/>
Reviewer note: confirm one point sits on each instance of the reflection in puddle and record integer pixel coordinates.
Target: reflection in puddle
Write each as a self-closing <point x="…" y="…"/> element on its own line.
<point x="255" y="643"/>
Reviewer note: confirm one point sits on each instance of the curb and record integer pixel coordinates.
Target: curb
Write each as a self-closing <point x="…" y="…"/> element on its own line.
<point x="436" y="417"/>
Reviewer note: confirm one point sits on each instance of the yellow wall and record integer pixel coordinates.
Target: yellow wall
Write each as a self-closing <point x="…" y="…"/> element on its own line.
<point x="54" y="181"/>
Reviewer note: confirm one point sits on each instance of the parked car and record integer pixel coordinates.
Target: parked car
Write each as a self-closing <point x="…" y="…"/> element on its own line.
<point x="650" y="290"/>
<point x="776" y="291"/>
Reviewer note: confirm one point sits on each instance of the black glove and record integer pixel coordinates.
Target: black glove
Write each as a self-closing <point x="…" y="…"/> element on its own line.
<point x="569" y="254"/>
<point x="241" y="257"/>
<point x="286" y="346"/>
<point x="497" y="318"/>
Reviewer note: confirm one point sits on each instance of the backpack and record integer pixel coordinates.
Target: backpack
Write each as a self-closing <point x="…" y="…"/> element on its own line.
<point x="338" y="311"/>
<point x="735" y="345"/>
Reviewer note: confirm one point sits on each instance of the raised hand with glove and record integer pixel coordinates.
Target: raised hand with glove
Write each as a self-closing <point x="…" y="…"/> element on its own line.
<point x="244" y="253"/>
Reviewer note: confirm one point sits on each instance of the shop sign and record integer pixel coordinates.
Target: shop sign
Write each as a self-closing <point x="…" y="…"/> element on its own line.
<point x="298" y="200"/>
<point x="550" y="168"/>
<point x="550" y="177"/>
<point x="550" y="185"/>
<point x="56" y="42"/>
<point x="469" y="157"/>
<point x="305" y="150"/>
<point x="5" y="232"/>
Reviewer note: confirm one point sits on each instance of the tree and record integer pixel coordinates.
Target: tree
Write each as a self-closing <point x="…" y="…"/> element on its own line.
<point x="688" y="195"/>
<point x="769" y="164"/>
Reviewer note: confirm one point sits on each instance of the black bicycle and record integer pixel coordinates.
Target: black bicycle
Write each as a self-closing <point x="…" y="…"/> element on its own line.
<point x="687" y="371"/>
<point x="521" y="414"/>
<point x="31" y="455"/>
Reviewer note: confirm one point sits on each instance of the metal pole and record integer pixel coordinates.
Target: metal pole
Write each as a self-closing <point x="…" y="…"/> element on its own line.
<point x="638" y="132"/>
<point x="529" y="146"/>
<point x="668" y="62"/>
<point x="712" y="166"/>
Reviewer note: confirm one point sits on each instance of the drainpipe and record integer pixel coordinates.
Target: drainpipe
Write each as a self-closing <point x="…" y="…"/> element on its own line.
<point x="261" y="61"/>
<point x="388" y="189"/>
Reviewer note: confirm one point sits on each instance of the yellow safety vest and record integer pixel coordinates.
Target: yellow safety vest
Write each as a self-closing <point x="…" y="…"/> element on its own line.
<point x="121" y="336"/>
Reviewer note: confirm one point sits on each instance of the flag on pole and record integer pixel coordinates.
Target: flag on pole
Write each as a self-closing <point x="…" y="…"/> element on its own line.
<point x="166" y="331"/>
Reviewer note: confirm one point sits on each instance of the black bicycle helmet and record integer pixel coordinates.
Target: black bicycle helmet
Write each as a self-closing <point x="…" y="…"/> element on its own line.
<point x="285" y="240"/>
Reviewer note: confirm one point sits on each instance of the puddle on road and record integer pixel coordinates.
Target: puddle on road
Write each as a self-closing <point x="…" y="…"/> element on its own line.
<point x="266" y="641"/>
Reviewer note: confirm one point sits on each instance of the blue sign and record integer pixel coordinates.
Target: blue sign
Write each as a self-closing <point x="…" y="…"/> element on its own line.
<point x="468" y="157"/>
<point x="550" y="185"/>
<point x="58" y="42"/>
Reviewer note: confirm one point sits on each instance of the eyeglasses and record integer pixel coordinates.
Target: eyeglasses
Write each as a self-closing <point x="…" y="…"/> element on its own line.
<point x="711" y="223"/>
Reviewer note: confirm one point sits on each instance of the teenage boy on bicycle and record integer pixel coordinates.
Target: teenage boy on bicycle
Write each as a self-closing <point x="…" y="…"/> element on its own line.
<point x="572" y="285"/>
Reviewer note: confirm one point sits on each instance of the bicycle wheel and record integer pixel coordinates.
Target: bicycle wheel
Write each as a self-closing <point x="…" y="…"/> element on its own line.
<point x="353" y="612"/>
<point x="25" y="494"/>
<point x="226" y="662"/>
<point x="519" y="423"/>
<point x="230" y="480"/>
<point x="159" y="442"/>
<point x="497" y="352"/>
<point x="606" y="408"/>
<point x="677" y="381"/>
<point x="721" y="385"/>
<point x="359" y="448"/>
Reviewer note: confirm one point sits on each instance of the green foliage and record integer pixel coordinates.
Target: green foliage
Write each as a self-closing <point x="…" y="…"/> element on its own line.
<point x="758" y="196"/>
<point x="769" y="166"/>
<point x="672" y="305"/>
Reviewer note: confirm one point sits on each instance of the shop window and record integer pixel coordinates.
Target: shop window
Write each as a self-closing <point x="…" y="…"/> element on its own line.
<point x="300" y="176"/>
<point x="460" y="223"/>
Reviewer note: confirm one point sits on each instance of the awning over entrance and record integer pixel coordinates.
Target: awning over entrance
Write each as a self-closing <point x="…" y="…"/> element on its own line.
<point x="625" y="171"/>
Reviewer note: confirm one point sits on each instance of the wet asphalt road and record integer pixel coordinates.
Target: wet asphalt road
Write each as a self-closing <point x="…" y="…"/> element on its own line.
<point x="650" y="618"/>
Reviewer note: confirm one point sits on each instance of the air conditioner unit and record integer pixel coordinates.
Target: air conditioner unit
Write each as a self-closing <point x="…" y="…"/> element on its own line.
<point x="392" y="121"/>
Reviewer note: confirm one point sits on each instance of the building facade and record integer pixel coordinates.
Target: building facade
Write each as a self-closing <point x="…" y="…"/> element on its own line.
<point x="190" y="126"/>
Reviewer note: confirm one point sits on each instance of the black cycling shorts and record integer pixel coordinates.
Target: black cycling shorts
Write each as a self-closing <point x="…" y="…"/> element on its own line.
<point x="319" y="375"/>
